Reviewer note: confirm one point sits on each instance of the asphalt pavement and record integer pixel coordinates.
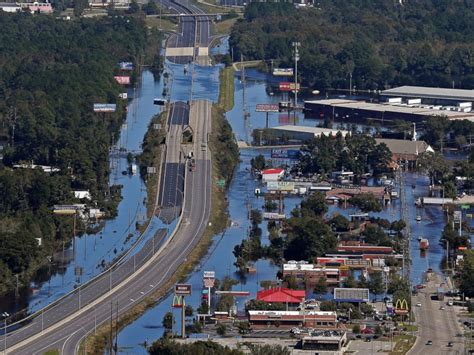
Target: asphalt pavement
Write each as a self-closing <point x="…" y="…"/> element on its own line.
<point x="437" y="325"/>
<point x="65" y="324"/>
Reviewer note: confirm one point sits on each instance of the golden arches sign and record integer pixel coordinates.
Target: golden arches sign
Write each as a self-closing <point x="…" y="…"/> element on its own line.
<point x="401" y="306"/>
<point x="178" y="301"/>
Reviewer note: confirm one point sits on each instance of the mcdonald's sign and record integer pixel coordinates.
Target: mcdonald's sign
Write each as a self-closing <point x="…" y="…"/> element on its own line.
<point x="401" y="306"/>
<point x="178" y="301"/>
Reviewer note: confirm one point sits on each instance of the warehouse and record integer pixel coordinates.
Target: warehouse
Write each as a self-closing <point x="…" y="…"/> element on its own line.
<point x="439" y="96"/>
<point x="340" y="110"/>
<point x="304" y="133"/>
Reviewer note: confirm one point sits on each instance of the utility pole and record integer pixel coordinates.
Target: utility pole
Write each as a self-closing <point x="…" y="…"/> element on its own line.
<point x="111" y="343"/>
<point x="296" y="45"/>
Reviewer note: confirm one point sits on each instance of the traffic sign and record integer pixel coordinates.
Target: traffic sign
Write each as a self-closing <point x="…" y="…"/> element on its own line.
<point x="209" y="274"/>
<point x="209" y="283"/>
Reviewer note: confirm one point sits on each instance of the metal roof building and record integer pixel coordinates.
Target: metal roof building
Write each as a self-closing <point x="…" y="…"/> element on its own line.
<point x="430" y="93"/>
<point x="341" y="109"/>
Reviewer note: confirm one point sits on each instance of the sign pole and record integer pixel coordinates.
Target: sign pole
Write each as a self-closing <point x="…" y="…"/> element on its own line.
<point x="209" y="300"/>
<point x="183" y="319"/>
<point x="266" y="122"/>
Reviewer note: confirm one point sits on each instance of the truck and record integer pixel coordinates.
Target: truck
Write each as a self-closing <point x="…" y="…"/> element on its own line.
<point x="203" y="147"/>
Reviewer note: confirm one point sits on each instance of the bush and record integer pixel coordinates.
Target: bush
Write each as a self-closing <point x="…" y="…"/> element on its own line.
<point x="221" y="329"/>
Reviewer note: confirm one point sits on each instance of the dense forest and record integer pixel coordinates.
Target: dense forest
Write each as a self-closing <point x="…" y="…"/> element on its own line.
<point x="52" y="72"/>
<point x="382" y="43"/>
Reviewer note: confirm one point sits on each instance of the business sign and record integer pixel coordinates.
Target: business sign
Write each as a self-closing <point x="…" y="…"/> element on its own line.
<point x="122" y="80"/>
<point x="209" y="283"/>
<point x="123" y="95"/>
<point x="126" y="65"/>
<point x="182" y="289"/>
<point x="281" y="186"/>
<point x="273" y="216"/>
<point x="401" y="306"/>
<point x="105" y="107"/>
<point x="178" y="301"/>
<point x="209" y="274"/>
<point x="351" y="294"/>
<point x="286" y="154"/>
<point x="283" y="71"/>
<point x="286" y="86"/>
<point x="267" y="108"/>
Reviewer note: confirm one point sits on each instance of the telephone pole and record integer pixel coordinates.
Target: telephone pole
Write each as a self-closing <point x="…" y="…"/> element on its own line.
<point x="296" y="45"/>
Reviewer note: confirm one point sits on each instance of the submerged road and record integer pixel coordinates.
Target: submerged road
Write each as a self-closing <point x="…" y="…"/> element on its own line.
<point x="65" y="324"/>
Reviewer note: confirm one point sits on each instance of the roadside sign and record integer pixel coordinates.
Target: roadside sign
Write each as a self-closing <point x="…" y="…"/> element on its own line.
<point x="209" y="283"/>
<point x="267" y="108"/>
<point x="122" y="80"/>
<point x="465" y="207"/>
<point x="209" y="274"/>
<point x="182" y="289"/>
<point x="105" y="107"/>
<point x="281" y="186"/>
<point x="220" y="182"/>
<point x="286" y="86"/>
<point x="283" y="71"/>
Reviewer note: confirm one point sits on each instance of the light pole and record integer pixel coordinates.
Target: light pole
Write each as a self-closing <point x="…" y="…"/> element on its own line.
<point x="5" y="315"/>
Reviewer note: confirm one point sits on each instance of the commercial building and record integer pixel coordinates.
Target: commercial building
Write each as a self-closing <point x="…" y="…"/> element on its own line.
<point x="432" y="95"/>
<point x="282" y="295"/>
<point x="310" y="274"/>
<point x="339" y="110"/>
<point x="272" y="174"/>
<point x="330" y="340"/>
<point x="290" y="319"/>
<point x="10" y="7"/>
<point x="405" y="151"/>
<point x="304" y="133"/>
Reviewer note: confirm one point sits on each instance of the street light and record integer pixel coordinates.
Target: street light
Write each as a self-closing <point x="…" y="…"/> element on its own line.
<point x="5" y="315"/>
<point x="297" y="58"/>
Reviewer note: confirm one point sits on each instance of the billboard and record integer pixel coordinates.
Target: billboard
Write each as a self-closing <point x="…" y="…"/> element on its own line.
<point x="182" y="289"/>
<point x="105" y="107"/>
<point x="126" y="65"/>
<point x="281" y="186"/>
<point x="286" y="86"/>
<point x="267" y="108"/>
<point x="273" y="216"/>
<point x="351" y="294"/>
<point x="122" y="80"/>
<point x="283" y="71"/>
<point x="285" y="154"/>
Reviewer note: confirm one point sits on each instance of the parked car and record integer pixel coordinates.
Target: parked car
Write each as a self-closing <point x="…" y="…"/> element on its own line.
<point x="418" y="304"/>
<point x="367" y="331"/>
<point x="429" y="342"/>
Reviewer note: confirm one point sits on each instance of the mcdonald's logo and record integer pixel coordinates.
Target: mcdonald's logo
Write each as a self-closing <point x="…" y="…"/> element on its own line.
<point x="401" y="306"/>
<point x="178" y="301"/>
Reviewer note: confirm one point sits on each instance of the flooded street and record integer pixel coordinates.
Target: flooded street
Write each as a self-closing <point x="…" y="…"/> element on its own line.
<point x="241" y="198"/>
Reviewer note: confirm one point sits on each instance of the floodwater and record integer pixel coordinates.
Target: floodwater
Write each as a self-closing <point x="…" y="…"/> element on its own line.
<point x="241" y="198"/>
<point x="92" y="251"/>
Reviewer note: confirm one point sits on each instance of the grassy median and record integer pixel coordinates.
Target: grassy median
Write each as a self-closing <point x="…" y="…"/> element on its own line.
<point x="226" y="92"/>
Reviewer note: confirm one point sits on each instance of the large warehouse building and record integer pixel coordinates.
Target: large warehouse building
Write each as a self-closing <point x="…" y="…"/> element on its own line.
<point x="342" y="109"/>
<point x="440" y="96"/>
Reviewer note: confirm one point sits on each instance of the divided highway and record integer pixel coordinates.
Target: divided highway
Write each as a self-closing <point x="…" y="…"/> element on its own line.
<point x="65" y="324"/>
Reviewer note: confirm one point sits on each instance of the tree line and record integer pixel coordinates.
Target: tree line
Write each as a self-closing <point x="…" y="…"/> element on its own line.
<point x="53" y="71"/>
<point x="380" y="43"/>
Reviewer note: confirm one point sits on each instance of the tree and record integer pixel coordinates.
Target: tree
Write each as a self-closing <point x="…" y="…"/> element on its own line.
<point x="356" y="328"/>
<point x="133" y="8"/>
<point x="321" y="286"/>
<point x="258" y="163"/>
<point x="315" y="204"/>
<point x="328" y="306"/>
<point x="376" y="285"/>
<point x="188" y="312"/>
<point x="374" y="234"/>
<point x="350" y="281"/>
<point x="378" y="330"/>
<point x="268" y="349"/>
<point x="340" y="223"/>
<point x="434" y="165"/>
<point x="366" y="202"/>
<point x="168" y="320"/>
<point x="243" y="327"/>
<point x="363" y="281"/>
<point x="150" y="8"/>
<point x="221" y="329"/>
<point x="466" y="284"/>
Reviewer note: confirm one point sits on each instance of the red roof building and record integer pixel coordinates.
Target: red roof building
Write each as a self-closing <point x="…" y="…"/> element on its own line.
<point x="281" y="295"/>
<point x="272" y="174"/>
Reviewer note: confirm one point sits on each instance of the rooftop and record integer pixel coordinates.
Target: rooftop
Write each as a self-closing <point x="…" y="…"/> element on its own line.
<point x="419" y="110"/>
<point x="400" y="146"/>
<point x="306" y="129"/>
<point x="430" y="92"/>
<point x="273" y="171"/>
<point x="281" y="295"/>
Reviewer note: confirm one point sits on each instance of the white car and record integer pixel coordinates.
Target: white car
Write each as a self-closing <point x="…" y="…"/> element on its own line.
<point x="450" y="303"/>
<point x="418" y="304"/>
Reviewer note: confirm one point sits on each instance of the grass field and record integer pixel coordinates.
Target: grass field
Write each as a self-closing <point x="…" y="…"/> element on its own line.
<point x="226" y="93"/>
<point x="224" y="27"/>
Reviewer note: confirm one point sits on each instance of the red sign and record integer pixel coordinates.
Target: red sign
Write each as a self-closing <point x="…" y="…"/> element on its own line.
<point x="122" y="80"/>
<point x="285" y="86"/>
<point x="209" y="283"/>
<point x="267" y="108"/>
